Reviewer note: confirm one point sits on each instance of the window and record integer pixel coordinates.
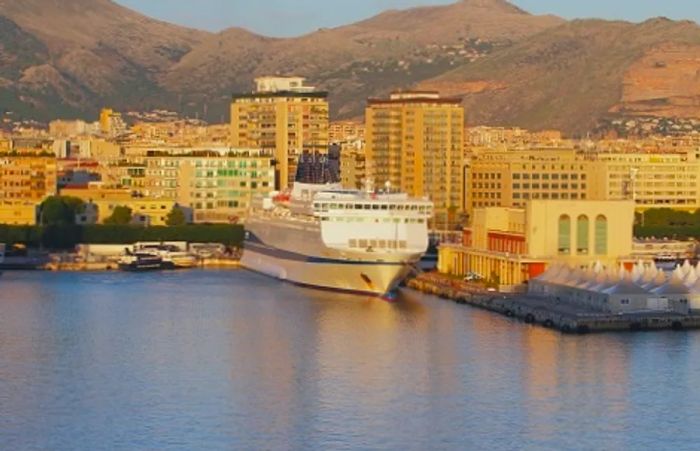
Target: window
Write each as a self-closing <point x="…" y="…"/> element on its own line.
<point x="601" y="235"/>
<point x="582" y="225"/>
<point x="564" y="235"/>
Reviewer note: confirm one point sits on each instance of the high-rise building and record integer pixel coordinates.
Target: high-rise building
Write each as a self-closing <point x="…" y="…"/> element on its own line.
<point x="282" y="115"/>
<point x="111" y="123"/>
<point x="25" y="181"/>
<point x="415" y="143"/>
<point x="353" y="169"/>
<point x="27" y="178"/>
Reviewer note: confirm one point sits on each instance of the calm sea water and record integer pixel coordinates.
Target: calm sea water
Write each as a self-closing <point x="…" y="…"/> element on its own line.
<point x="231" y="360"/>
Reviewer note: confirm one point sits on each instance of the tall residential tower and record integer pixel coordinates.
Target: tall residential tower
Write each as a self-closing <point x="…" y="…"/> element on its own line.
<point x="415" y="142"/>
<point x="282" y="115"/>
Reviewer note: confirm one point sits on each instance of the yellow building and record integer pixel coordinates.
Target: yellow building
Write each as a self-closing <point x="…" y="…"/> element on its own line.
<point x="107" y="199"/>
<point x="27" y="179"/>
<point x="653" y="180"/>
<point x="111" y="123"/>
<point x="509" y="246"/>
<point x="18" y="213"/>
<point x="220" y="187"/>
<point x="342" y="131"/>
<point x="353" y="169"/>
<point x="509" y="178"/>
<point x="284" y="116"/>
<point x="415" y="143"/>
<point x="5" y="145"/>
<point x="217" y="183"/>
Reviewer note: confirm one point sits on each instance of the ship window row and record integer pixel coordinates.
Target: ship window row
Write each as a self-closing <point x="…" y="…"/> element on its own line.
<point x="379" y="244"/>
<point x="324" y="206"/>
<point x="373" y="220"/>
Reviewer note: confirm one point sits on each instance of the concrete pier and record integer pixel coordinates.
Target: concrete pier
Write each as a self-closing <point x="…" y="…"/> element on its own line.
<point x="563" y="316"/>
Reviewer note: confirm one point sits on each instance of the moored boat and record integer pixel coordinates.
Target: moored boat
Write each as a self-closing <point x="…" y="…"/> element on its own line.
<point x="323" y="236"/>
<point x="140" y="261"/>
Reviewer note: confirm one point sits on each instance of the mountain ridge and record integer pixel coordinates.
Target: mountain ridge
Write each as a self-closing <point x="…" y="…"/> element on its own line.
<point x="70" y="57"/>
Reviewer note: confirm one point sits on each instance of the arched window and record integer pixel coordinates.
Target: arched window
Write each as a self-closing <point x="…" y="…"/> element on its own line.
<point x="582" y="225"/>
<point x="601" y="235"/>
<point x="564" y="235"/>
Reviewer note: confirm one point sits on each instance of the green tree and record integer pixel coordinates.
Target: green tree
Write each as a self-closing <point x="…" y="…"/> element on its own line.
<point x="60" y="210"/>
<point x="176" y="217"/>
<point x="120" y="216"/>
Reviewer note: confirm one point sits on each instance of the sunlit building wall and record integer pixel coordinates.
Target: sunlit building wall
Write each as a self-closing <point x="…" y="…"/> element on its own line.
<point x="415" y="143"/>
<point x="509" y="246"/>
<point x="284" y="116"/>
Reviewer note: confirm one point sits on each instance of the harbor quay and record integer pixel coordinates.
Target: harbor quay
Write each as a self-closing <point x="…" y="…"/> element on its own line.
<point x="108" y="257"/>
<point x="571" y="265"/>
<point x="562" y="314"/>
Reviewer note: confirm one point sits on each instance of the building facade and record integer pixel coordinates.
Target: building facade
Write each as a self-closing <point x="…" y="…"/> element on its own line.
<point x="103" y="201"/>
<point x="415" y="143"/>
<point x="510" y="178"/>
<point x="216" y="183"/>
<point x="509" y="246"/>
<point x="27" y="178"/>
<point x="283" y="116"/>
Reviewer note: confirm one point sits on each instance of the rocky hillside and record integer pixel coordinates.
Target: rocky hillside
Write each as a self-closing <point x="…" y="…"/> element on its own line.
<point x="70" y="57"/>
<point x="571" y="76"/>
<point x="97" y="52"/>
<point x="393" y="49"/>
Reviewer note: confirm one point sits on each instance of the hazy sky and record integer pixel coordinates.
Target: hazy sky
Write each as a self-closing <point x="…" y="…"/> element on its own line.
<point x="293" y="17"/>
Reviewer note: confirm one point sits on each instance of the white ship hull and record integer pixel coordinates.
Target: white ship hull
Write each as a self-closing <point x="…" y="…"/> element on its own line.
<point x="355" y="277"/>
<point x="337" y="240"/>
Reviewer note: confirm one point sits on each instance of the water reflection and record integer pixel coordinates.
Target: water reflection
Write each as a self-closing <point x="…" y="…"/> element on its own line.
<point x="230" y="359"/>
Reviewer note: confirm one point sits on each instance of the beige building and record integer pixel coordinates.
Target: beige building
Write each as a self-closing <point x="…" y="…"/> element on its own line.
<point x="353" y="164"/>
<point x="216" y="183"/>
<point x="653" y="180"/>
<point x="343" y="131"/>
<point x="150" y="211"/>
<point x="510" y="178"/>
<point x="111" y="123"/>
<point x="18" y="213"/>
<point x="284" y="116"/>
<point x="220" y="188"/>
<point x="27" y="179"/>
<point x="509" y="246"/>
<point x="415" y="143"/>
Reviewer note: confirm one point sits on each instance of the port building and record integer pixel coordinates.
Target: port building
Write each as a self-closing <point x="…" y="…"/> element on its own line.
<point x="510" y="246"/>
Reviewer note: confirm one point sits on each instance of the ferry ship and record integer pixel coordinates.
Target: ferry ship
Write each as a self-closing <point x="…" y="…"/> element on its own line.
<point x="323" y="236"/>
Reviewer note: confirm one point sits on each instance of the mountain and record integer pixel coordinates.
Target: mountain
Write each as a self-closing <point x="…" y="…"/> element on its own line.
<point x="392" y="50"/>
<point x="88" y="53"/>
<point x="70" y="57"/>
<point x="571" y="76"/>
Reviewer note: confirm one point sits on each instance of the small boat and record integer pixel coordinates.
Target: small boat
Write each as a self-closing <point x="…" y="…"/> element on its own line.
<point x="19" y="257"/>
<point x="140" y="261"/>
<point x="172" y="256"/>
